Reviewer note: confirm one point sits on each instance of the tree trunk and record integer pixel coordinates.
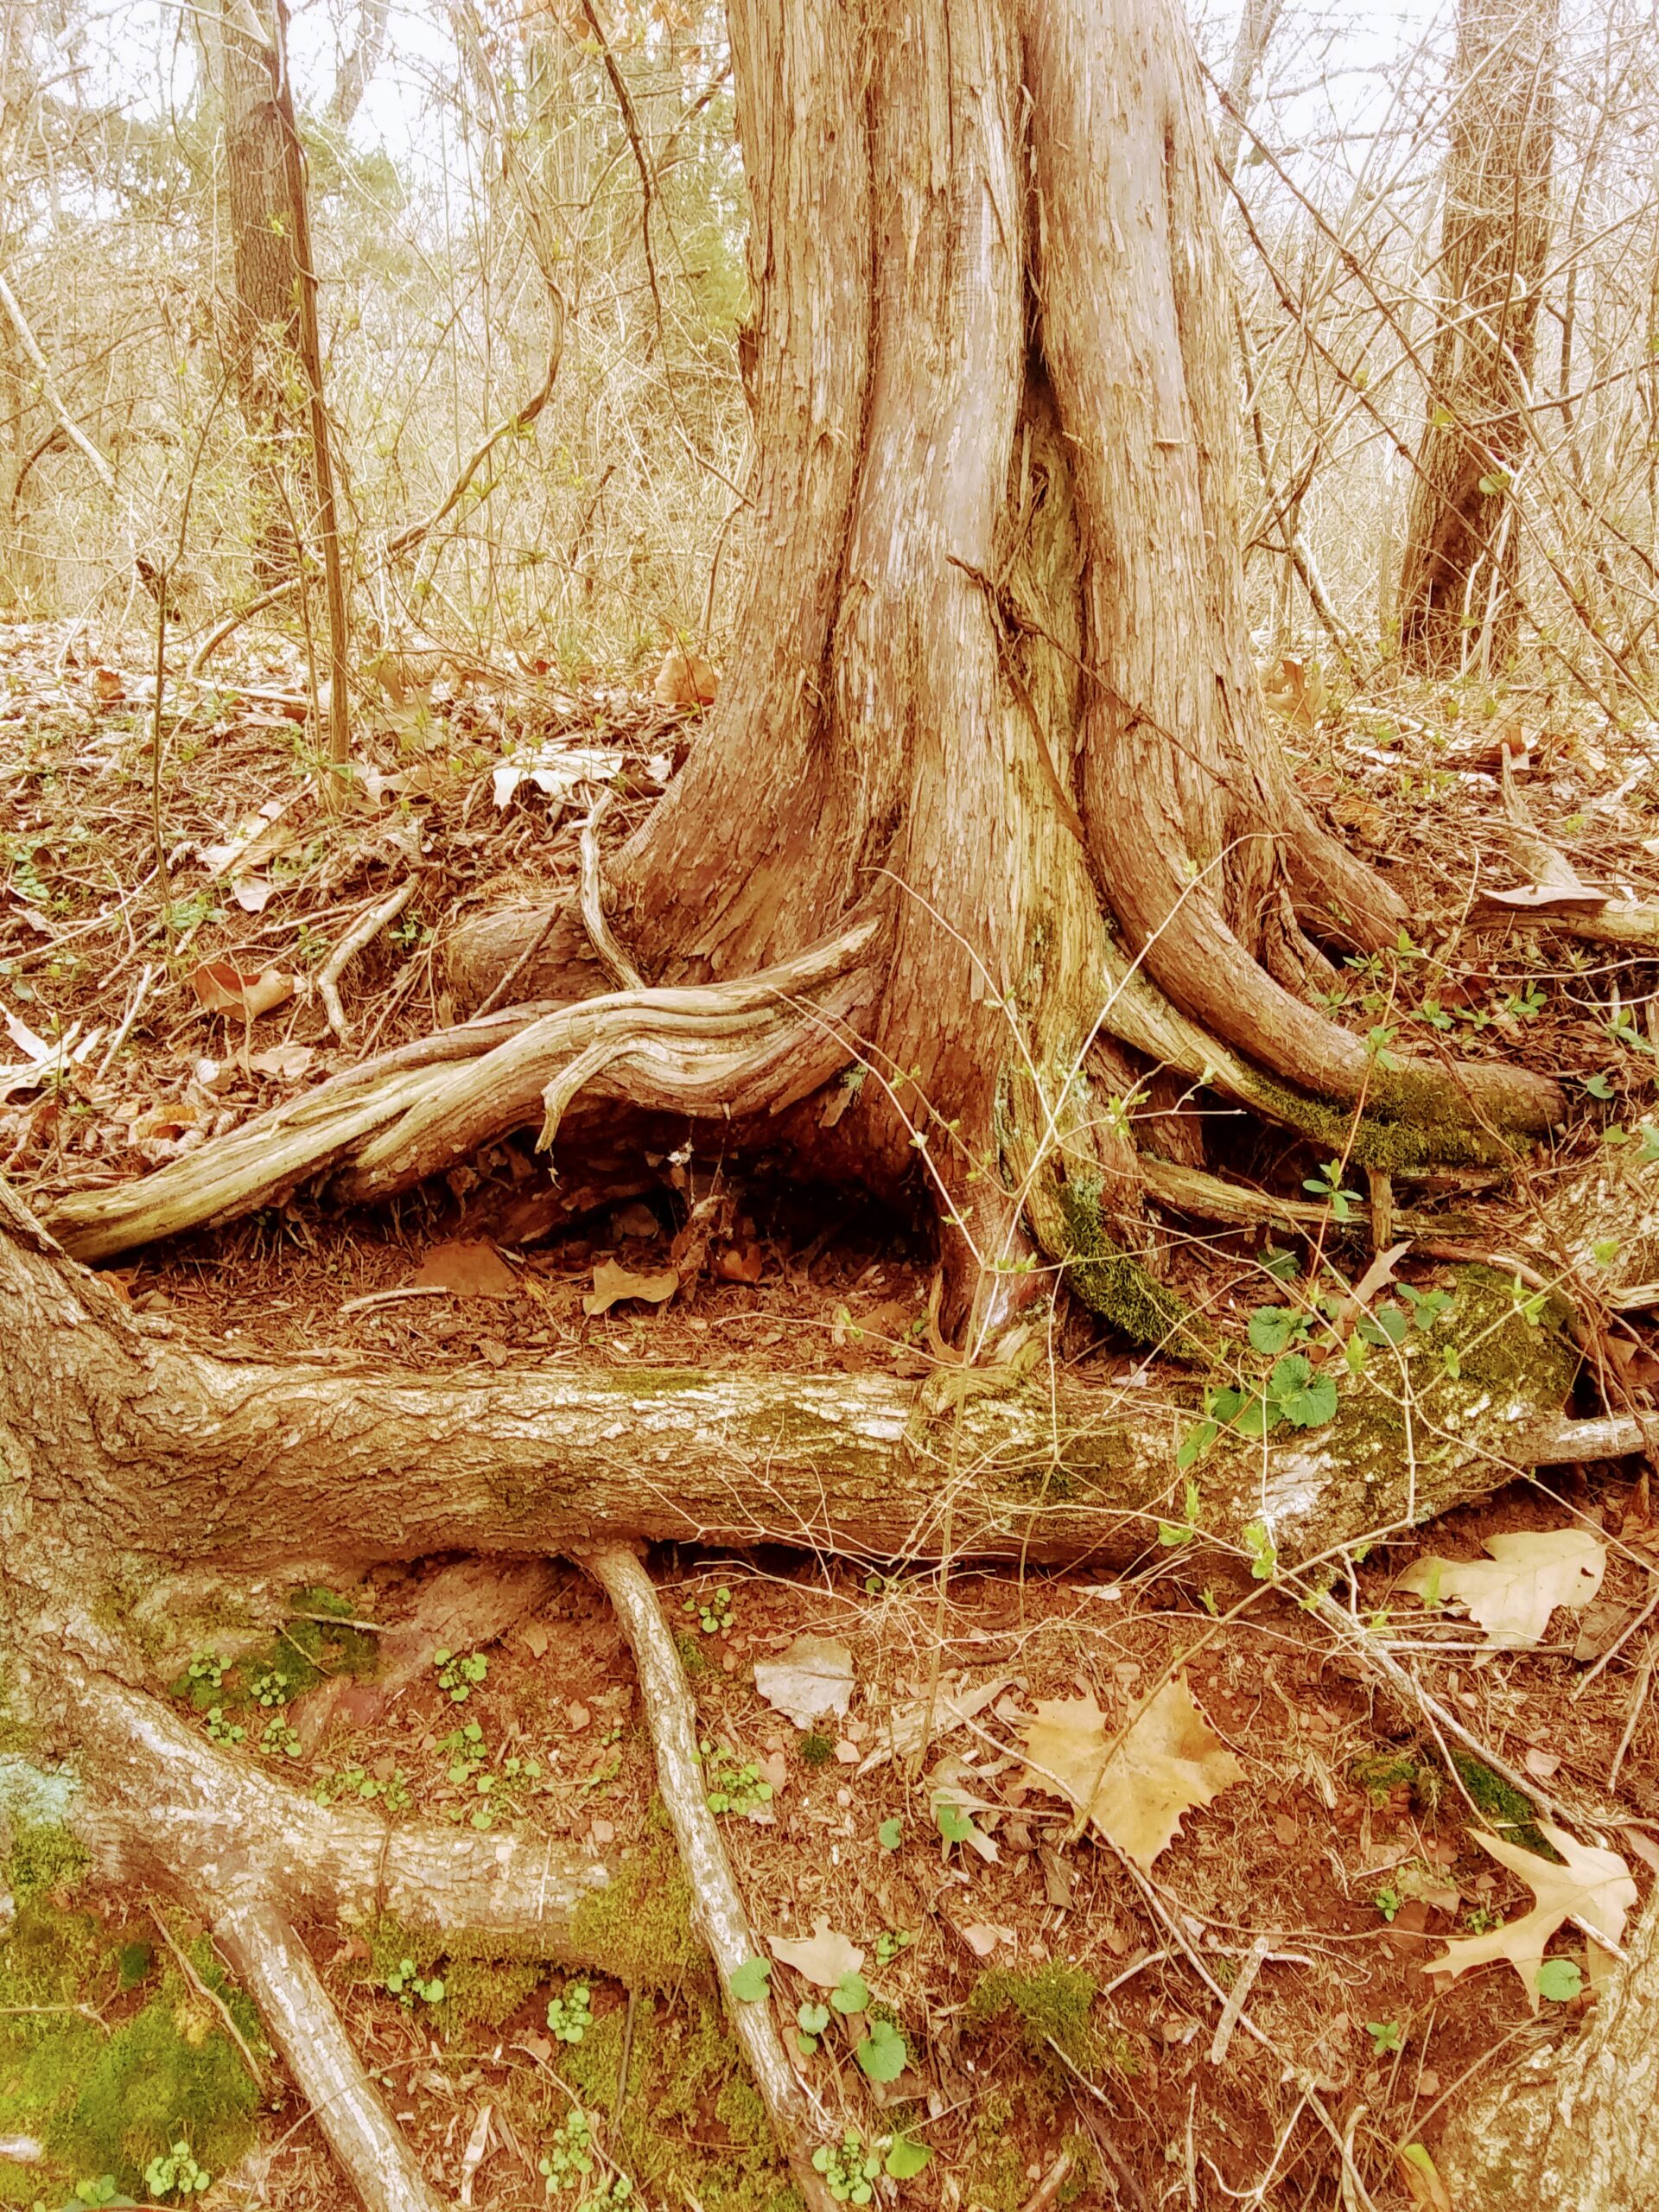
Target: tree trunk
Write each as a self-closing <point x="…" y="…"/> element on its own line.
<point x="1462" y="556"/>
<point x="265" y="311"/>
<point x="1577" y="2131"/>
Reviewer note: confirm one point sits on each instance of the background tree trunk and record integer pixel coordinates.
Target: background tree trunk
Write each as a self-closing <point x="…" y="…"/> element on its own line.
<point x="1462" y="556"/>
<point x="265" y="311"/>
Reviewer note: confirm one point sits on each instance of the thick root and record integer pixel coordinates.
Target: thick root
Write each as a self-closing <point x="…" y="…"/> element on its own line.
<point x="717" y="1911"/>
<point x="276" y="1971"/>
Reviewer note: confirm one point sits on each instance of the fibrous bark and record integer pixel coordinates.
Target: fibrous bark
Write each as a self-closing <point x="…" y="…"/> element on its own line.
<point x="1462" y="555"/>
<point x="1574" y="2130"/>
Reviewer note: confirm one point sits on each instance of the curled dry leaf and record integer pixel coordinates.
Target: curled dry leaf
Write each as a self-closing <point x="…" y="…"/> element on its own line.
<point x="1169" y="1761"/>
<point x="1513" y="1594"/>
<point x="1592" y="1887"/>
<point x="982" y="1937"/>
<point x="287" y="1063"/>
<point x="613" y="1282"/>
<point x="222" y="988"/>
<point x="465" y="1271"/>
<point x="1296" y="691"/>
<point x="813" y="1678"/>
<point x="685" y="679"/>
<point x="1547" y="898"/>
<point x="823" y="1958"/>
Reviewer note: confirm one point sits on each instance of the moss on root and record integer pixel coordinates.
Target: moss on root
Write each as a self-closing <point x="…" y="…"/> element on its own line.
<point x="1114" y="1284"/>
<point x="105" y="2093"/>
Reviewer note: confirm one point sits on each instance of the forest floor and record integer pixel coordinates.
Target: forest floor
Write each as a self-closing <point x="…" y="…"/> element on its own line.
<point x="1061" y="2049"/>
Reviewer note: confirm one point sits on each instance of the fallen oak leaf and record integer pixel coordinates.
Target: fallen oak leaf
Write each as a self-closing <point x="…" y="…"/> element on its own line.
<point x="825" y="1958"/>
<point x="1592" y="1887"/>
<point x="1513" y="1594"/>
<point x="613" y="1282"/>
<point x="1136" y="1791"/>
<point x="221" y="987"/>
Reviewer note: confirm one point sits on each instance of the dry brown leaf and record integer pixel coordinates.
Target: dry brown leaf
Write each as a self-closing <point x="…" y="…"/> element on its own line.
<point x="1594" y="1887"/>
<point x="287" y="1063"/>
<point x="740" y="1263"/>
<point x="685" y="680"/>
<point x="823" y="1958"/>
<point x="535" y="1637"/>
<point x="982" y="1937"/>
<point x="1169" y="1761"/>
<point x="1513" y="1594"/>
<point x="1547" y="899"/>
<point x="1296" y="691"/>
<point x="613" y="1282"/>
<point x="222" y="988"/>
<point x="812" y="1678"/>
<point x="956" y="1701"/>
<point x="107" y="684"/>
<point x="464" y="1270"/>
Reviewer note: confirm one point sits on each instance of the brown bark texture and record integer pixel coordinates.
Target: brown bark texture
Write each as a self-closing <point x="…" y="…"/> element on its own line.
<point x="265" y="316"/>
<point x="1574" y="2130"/>
<point x="1462" y="558"/>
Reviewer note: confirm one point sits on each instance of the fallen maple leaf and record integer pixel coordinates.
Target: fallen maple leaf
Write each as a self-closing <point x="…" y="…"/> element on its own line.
<point x="813" y="1677"/>
<point x="222" y="988"/>
<point x="465" y="1271"/>
<point x="1169" y="1760"/>
<point x="1513" y="1594"/>
<point x="613" y="1282"/>
<point x="823" y="1958"/>
<point x="1592" y="1886"/>
<point x="1293" y="690"/>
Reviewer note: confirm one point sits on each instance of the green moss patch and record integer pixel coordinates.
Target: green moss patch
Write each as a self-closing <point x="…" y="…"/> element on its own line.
<point x="313" y="1643"/>
<point x="106" y="2056"/>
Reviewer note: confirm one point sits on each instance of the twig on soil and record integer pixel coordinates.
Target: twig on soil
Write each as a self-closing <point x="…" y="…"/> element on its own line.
<point x="351" y="944"/>
<point x="278" y="1970"/>
<point x="499" y="994"/>
<point x="151" y="970"/>
<point x="615" y="962"/>
<point x="1644" y="1684"/>
<point x="208" y="1996"/>
<point x="717" y="1911"/>
<point x="1617" y="1645"/>
<point x="1047" y="2191"/>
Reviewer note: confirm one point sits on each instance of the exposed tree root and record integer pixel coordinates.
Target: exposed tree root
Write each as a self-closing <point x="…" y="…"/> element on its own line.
<point x="717" y="1911"/>
<point x="276" y="1971"/>
<point x="750" y="1047"/>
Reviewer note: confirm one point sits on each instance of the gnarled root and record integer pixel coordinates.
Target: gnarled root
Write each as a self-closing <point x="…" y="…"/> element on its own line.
<point x="717" y="1911"/>
<point x="276" y="1971"/>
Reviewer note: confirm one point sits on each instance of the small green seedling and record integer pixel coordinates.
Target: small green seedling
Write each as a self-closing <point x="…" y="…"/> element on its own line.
<point x="733" y="1788"/>
<point x="810" y="2021"/>
<point x="207" y="1668"/>
<point x="568" y="2159"/>
<point x="906" y="2158"/>
<point x="1559" y="1980"/>
<point x="713" y="1615"/>
<point x="750" y="1981"/>
<point x="1388" y="1901"/>
<point x="1328" y="1185"/>
<point x="848" y="2170"/>
<point x="891" y="1833"/>
<point x="460" y="1676"/>
<point x="175" y="2175"/>
<point x="850" y="1994"/>
<point x="1386" y="2035"/>
<point x="890" y="1942"/>
<point x="569" y="2017"/>
<point x="270" y="1689"/>
<point x="89" y="2194"/>
<point x="884" y="2054"/>
<point x="221" y="1730"/>
<point x="954" y="1825"/>
<point x="279" y="1739"/>
<point x="406" y="1983"/>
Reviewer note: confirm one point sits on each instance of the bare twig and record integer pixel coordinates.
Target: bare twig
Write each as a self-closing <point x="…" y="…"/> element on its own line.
<point x="615" y="962"/>
<point x="351" y="944"/>
<point x="208" y="1996"/>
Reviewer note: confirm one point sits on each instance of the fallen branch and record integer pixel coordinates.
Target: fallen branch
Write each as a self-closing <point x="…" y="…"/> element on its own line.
<point x="615" y="962"/>
<point x="717" y="1911"/>
<point x="275" y="1968"/>
<point x="49" y="391"/>
<point x="361" y="934"/>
